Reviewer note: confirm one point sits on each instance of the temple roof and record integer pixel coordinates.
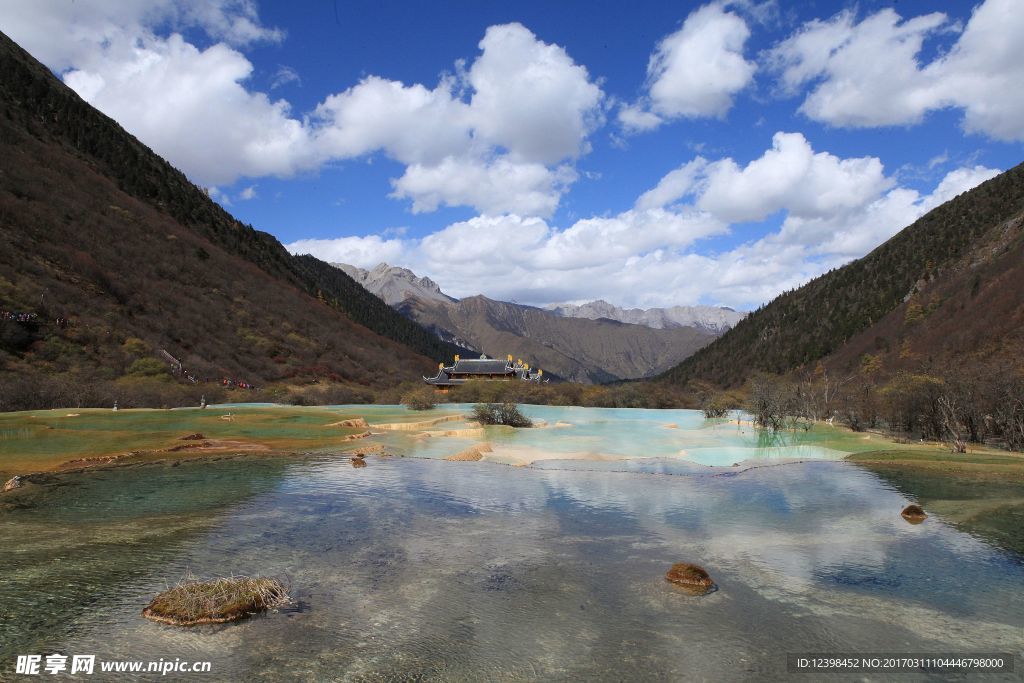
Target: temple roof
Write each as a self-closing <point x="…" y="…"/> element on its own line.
<point x="481" y="366"/>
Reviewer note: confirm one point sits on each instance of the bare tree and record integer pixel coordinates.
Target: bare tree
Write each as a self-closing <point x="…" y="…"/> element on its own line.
<point x="951" y="410"/>
<point x="767" y="402"/>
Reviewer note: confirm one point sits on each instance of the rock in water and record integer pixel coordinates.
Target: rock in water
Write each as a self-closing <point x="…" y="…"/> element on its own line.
<point x="691" y="577"/>
<point x="358" y="462"/>
<point x="14" y="482"/>
<point x="914" y="514"/>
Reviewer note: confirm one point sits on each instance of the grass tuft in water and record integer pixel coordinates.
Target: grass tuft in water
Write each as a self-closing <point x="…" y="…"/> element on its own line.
<point x="221" y="600"/>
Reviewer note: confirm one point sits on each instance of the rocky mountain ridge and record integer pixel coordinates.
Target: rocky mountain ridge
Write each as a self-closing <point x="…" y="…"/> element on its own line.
<point x="717" y="319"/>
<point x="577" y="348"/>
<point x="394" y="284"/>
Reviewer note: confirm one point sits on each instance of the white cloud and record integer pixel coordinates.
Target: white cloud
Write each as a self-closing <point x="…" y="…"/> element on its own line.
<point x="412" y="124"/>
<point x="84" y="25"/>
<point x="284" y="76"/>
<point x="495" y="187"/>
<point x="192" y="108"/>
<point x="365" y="252"/>
<point x="500" y="135"/>
<point x="694" y="72"/>
<point x="835" y="209"/>
<point x="635" y="118"/>
<point x="530" y="98"/>
<point x="674" y="186"/>
<point x="868" y="73"/>
<point x="595" y="241"/>
<point x="248" y="193"/>
<point x="793" y="177"/>
<point x="790" y="176"/>
<point x="530" y="111"/>
<point x="984" y="71"/>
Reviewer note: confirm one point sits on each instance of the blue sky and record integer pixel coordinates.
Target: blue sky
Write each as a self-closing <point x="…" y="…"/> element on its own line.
<point x="647" y="153"/>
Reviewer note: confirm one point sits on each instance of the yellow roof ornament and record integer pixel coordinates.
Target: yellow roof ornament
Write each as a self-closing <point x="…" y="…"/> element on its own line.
<point x="440" y="366"/>
<point x="456" y="358"/>
<point x="510" y="358"/>
<point x="540" y="372"/>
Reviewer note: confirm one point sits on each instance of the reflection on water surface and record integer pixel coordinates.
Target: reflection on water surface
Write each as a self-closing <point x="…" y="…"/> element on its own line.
<point x="478" y="571"/>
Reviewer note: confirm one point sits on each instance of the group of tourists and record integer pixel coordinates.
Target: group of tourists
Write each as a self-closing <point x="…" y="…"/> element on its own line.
<point x="227" y="382"/>
<point x="223" y="381"/>
<point x="177" y="368"/>
<point x="26" y="317"/>
<point x="18" y="317"/>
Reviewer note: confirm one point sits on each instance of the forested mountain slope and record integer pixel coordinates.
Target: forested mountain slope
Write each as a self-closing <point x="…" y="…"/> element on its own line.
<point x="109" y="254"/>
<point x="970" y="313"/>
<point x="802" y="326"/>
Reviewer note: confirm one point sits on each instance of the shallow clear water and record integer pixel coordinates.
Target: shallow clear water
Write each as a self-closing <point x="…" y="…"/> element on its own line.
<point x="417" y="567"/>
<point x="679" y="437"/>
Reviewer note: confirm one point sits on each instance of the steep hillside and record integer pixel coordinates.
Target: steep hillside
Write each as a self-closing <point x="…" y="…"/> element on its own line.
<point x="576" y="349"/>
<point x="807" y="324"/>
<point x="969" y="312"/>
<point x="110" y="254"/>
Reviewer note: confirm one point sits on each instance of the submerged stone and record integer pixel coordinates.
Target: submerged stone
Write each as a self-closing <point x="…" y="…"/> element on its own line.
<point x="15" y="482"/>
<point x="194" y="602"/>
<point x="357" y="461"/>
<point x="354" y="422"/>
<point x="691" y="577"/>
<point x="471" y="454"/>
<point x="353" y="437"/>
<point x="192" y="437"/>
<point x="914" y="514"/>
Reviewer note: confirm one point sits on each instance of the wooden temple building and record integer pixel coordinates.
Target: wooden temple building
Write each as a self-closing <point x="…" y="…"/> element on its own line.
<point x="483" y="368"/>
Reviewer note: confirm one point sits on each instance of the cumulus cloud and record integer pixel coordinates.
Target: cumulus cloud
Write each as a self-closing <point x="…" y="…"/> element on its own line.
<point x="365" y="252"/>
<point x="191" y="107"/>
<point x="868" y="73"/>
<point x="493" y="187"/>
<point x="793" y="177"/>
<point x="834" y="209"/>
<point x="85" y="25"/>
<point x="530" y="98"/>
<point x="790" y="176"/>
<point x="694" y="72"/>
<point x="530" y="112"/>
<point x="412" y="124"/>
<point x="674" y="186"/>
<point x="500" y="135"/>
